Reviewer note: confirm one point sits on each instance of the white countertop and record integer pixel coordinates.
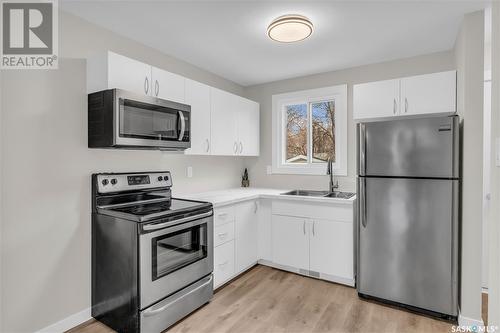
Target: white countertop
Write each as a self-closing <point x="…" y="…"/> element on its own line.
<point x="234" y="195"/>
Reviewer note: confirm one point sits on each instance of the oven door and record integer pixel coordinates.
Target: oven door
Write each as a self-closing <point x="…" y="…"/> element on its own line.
<point x="174" y="257"/>
<point x="151" y="122"/>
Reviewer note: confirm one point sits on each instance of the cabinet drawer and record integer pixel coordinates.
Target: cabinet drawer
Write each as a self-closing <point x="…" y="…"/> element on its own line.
<point x="223" y="263"/>
<point x="223" y="215"/>
<point x="223" y="233"/>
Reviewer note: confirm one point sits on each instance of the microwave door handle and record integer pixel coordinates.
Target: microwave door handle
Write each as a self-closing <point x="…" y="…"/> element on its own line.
<point x="183" y="125"/>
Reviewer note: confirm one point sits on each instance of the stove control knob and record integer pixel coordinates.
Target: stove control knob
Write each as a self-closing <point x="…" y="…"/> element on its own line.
<point x="114" y="181"/>
<point x="105" y="182"/>
<point x="160" y="178"/>
<point x="165" y="178"/>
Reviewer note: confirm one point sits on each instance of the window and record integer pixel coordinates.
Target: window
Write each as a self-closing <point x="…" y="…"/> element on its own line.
<point x="309" y="128"/>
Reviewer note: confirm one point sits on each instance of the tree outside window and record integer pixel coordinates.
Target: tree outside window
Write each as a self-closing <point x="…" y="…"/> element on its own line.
<point x="310" y="132"/>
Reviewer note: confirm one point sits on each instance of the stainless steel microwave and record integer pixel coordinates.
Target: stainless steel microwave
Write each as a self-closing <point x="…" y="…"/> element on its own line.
<point x="121" y="119"/>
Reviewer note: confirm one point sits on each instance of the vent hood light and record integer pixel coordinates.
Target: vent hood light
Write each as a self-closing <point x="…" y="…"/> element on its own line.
<point x="290" y="28"/>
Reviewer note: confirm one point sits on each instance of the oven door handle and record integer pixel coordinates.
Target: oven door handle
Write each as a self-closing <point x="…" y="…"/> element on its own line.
<point x="175" y="222"/>
<point x="151" y="312"/>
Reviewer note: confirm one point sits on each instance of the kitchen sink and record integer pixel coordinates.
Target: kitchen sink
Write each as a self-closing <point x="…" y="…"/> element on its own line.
<point x="340" y="195"/>
<point x="311" y="193"/>
<point x="307" y="193"/>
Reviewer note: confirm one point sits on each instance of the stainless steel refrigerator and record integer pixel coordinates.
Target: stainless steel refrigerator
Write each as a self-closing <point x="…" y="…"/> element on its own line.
<point x="408" y="213"/>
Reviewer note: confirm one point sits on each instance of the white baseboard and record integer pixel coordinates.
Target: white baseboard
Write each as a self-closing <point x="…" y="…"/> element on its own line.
<point x="68" y="322"/>
<point x="469" y="322"/>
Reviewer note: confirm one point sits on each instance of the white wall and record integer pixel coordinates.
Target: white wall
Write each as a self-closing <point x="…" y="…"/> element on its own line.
<point x="263" y="94"/>
<point x="494" y="217"/>
<point x="45" y="248"/>
<point x="469" y="53"/>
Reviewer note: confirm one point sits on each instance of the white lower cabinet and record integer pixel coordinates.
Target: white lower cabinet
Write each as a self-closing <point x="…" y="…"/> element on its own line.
<point x="290" y="241"/>
<point x="223" y="263"/>
<point x="318" y="242"/>
<point x="331" y="248"/>
<point x="235" y="240"/>
<point x="246" y="235"/>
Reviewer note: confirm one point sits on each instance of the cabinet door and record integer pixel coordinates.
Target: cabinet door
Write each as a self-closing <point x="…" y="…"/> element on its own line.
<point x="331" y="248"/>
<point x="128" y="74"/>
<point x="167" y="85"/>
<point x="198" y="96"/>
<point x="248" y="128"/>
<point x="224" y="128"/>
<point x="246" y="234"/>
<point x="265" y="230"/>
<point x="431" y="93"/>
<point x="376" y="99"/>
<point x="290" y="238"/>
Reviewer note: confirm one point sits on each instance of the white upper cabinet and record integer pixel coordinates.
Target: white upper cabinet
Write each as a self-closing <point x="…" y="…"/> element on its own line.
<point x="198" y="96"/>
<point x="224" y="108"/>
<point x="417" y="95"/>
<point x="221" y="123"/>
<point x="112" y="70"/>
<point x="432" y="93"/>
<point x="246" y="235"/>
<point x="248" y="128"/>
<point x="376" y="99"/>
<point x="167" y="85"/>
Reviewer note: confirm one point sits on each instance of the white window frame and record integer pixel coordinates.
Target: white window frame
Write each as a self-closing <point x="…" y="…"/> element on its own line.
<point x="339" y="95"/>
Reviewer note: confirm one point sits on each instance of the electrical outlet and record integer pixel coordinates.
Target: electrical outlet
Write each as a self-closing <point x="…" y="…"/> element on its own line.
<point x="189" y="172"/>
<point x="269" y="169"/>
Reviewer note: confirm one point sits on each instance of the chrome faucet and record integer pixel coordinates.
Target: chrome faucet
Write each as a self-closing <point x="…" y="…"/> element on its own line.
<point x="329" y="171"/>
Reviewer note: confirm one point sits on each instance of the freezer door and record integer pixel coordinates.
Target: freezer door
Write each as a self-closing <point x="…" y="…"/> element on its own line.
<point x="426" y="147"/>
<point x="407" y="242"/>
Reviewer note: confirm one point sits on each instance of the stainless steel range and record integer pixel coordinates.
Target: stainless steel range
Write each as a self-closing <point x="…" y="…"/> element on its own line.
<point x="152" y="255"/>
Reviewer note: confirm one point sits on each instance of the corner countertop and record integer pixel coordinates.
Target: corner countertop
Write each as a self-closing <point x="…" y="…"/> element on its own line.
<point x="234" y="195"/>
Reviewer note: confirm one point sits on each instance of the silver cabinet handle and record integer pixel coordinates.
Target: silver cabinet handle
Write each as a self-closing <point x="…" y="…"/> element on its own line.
<point x="406" y="105"/>
<point x="208" y="145"/>
<point x="395" y="106"/>
<point x="157" y="88"/>
<point x="146" y="85"/>
<point x="235" y="147"/>
<point x="304" y="227"/>
<point x="222" y="235"/>
<point x="255" y="207"/>
<point x="241" y="147"/>
<point x="314" y="223"/>
<point x="152" y="312"/>
<point x="183" y="125"/>
<point x="224" y="263"/>
<point x="222" y="214"/>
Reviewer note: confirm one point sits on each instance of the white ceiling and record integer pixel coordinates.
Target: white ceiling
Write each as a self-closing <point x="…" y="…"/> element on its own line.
<point x="229" y="38"/>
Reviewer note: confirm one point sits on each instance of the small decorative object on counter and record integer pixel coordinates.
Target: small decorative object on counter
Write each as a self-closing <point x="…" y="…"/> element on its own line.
<point x="244" y="180"/>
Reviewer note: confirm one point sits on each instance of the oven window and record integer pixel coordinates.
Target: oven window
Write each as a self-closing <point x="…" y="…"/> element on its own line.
<point x="179" y="249"/>
<point x="151" y="122"/>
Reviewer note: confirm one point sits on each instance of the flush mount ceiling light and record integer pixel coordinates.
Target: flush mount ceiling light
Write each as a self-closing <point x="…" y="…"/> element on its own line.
<point x="290" y="28"/>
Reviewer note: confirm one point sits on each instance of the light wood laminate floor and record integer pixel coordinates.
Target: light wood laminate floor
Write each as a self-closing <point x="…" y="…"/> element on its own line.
<point x="269" y="300"/>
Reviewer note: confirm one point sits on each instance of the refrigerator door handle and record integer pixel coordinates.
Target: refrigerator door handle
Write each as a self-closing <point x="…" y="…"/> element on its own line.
<point x="362" y="201"/>
<point x="362" y="149"/>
